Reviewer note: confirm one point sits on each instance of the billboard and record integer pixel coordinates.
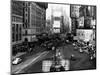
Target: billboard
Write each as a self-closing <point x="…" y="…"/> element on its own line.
<point x="85" y="34"/>
<point x="56" y="24"/>
<point x="81" y="22"/>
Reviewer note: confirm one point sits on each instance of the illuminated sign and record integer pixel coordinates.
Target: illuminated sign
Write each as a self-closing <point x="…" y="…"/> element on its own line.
<point x="85" y="35"/>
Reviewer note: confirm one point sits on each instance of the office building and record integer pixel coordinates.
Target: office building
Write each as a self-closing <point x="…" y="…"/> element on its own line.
<point x="16" y="21"/>
<point x="34" y="20"/>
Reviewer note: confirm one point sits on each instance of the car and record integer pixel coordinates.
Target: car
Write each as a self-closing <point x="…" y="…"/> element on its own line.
<point x="80" y="50"/>
<point x="16" y="61"/>
<point x="50" y="46"/>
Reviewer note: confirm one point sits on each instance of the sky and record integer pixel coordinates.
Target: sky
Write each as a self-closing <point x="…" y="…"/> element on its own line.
<point x="65" y="8"/>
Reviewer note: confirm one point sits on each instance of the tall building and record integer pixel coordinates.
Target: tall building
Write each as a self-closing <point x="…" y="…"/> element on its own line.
<point x="60" y="21"/>
<point x="74" y="14"/>
<point x="16" y="21"/>
<point x="34" y="20"/>
<point x="57" y="18"/>
<point x="82" y="17"/>
<point x="89" y="14"/>
<point x="83" y="25"/>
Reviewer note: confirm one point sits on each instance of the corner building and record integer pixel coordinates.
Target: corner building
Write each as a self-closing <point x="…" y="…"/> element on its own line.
<point x="16" y="21"/>
<point x="34" y="20"/>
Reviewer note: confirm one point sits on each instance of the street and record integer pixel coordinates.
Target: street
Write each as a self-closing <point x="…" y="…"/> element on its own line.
<point x="50" y="37"/>
<point x="81" y="61"/>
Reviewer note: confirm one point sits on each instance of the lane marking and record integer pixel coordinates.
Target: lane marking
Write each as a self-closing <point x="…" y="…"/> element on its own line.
<point x="30" y="62"/>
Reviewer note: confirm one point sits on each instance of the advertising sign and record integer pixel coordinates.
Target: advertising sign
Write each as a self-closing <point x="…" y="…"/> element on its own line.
<point x="84" y="34"/>
<point x="81" y="21"/>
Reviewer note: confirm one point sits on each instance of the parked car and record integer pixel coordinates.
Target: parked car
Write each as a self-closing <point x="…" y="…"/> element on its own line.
<point x="16" y="61"/>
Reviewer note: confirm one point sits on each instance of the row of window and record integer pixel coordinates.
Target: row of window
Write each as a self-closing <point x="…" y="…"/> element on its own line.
<point x="33" y="31"/>
<point x="37" y="17"/>
<point x="16" y="19"/>
<point x="17" y="8"/>
<point x="16" y="32"/>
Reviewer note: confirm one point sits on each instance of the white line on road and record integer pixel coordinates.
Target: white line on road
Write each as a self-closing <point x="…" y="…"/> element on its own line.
<point x="30" y="62"/>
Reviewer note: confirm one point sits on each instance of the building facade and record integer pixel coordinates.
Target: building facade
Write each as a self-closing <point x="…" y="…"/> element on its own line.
<point x="74" y="14"/>
<point x="16" y="21"/>
<point x="57" y="20"/>
<point x="34" y="20"/>
<point x="82" y="17"/>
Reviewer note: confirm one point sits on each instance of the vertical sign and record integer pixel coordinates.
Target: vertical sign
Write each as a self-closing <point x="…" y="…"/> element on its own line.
<point x="81" y="22"/>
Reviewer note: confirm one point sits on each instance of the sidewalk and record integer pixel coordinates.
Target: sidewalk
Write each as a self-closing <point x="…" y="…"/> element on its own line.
<point x="18" y="68"/>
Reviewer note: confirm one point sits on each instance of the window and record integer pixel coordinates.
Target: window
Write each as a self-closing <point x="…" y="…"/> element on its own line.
<point x="12" y="19"/>
<point x="20" y="33"/>
<point x="25" y="32"/>
<point x="13" y="32"/>
<point x="23" y="25"/>
<point x="16" y="28"/>
<point x="17" y="32"/>
<point x="26" y="14"/>
<point x="26" y="9"/>
<point x="26" y="23"/>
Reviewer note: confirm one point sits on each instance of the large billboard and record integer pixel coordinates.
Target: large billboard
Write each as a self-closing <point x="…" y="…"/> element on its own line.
<point x="56" y="24"/>
<point x="85" y="34"/>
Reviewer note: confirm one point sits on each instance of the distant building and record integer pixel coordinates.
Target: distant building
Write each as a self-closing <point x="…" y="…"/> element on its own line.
<point x="60" y="21"/>
<point x="57" y="18"/>
<point x="16" y="21"/>
<point x="34" y="20"/>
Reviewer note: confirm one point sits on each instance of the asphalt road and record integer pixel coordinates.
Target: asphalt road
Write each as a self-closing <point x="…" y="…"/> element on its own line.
<point x="37" y="66"/>
<point x="81" y="61"/>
